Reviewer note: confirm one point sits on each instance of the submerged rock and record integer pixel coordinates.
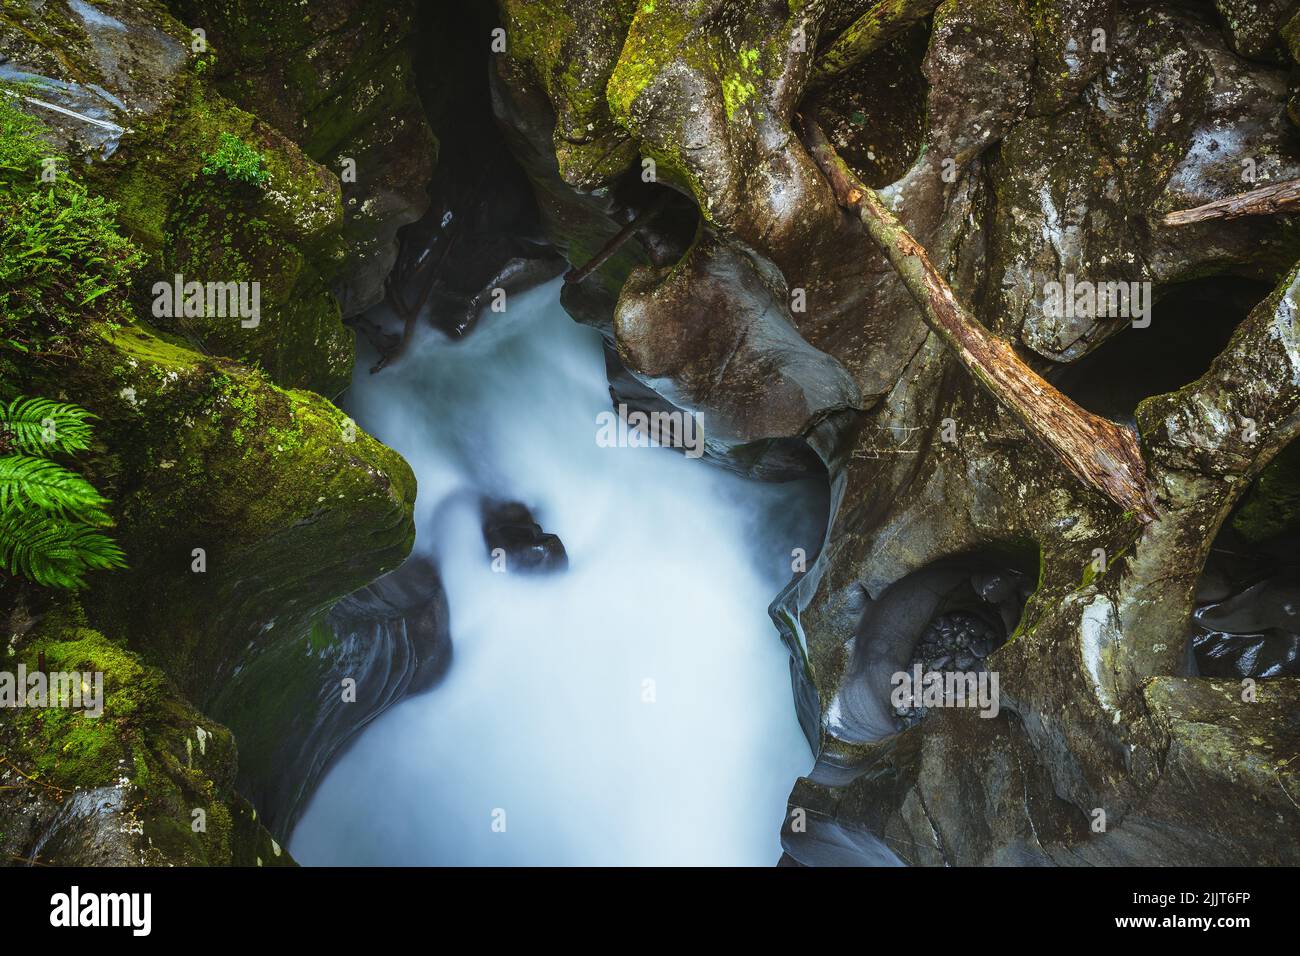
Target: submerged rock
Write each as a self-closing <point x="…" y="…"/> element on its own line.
<point x="516" y="542"/>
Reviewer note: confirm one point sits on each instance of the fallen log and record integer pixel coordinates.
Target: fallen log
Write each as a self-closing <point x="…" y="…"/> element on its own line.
<point x="1101" y="454"/>
<point x="1265" y="201"/>
<point x="620" y="238"/>
<point x="867" y="34"/>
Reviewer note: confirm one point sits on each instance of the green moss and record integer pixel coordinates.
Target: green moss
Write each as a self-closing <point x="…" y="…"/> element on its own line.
<point x="570" y="49"/>
<point x="212" y="194"/>
<point x="293" y="505"/>
<point x="166" y="759"/>
<point x="71" y="749"/>
<point x="656" y="37"/>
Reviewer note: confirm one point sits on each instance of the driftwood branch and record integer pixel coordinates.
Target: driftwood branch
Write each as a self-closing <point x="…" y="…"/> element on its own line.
<point x="617" y="242"/>
<point x="867" y="34"/>
<point x="1098" y="452"/>
<point x="1265" y="201"/>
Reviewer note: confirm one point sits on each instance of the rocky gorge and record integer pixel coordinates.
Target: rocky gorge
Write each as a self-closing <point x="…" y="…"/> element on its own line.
<point x="379" y="168"/>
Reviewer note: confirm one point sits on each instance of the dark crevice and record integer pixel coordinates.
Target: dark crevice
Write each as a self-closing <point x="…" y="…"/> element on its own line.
<point x="1191" y="323"/>
<point x="1247" y="617"/>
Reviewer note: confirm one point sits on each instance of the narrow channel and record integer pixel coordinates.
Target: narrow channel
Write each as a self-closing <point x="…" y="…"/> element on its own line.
<point x="634" y="708"/>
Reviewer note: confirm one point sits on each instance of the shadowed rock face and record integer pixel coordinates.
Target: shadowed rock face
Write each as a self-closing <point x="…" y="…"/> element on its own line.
<point x="355" y="109"/>
<point x="296" y="705"/>
<point x="1027" y="144"/>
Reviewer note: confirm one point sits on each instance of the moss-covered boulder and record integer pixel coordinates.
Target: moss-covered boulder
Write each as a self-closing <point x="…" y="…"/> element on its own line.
<point x="338" y="79"/>
<point x="125" y="89"/>
<point x="246" y="508"/>
<point x="147" y="781"/>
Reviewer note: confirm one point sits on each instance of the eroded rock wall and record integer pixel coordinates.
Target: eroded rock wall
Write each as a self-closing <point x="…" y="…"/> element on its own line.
<point x="1023" y="144"/>
<point x="246" y="502"/>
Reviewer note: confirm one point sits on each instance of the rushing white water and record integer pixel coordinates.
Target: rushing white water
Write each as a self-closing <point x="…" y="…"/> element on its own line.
<point x="634" y="709"/>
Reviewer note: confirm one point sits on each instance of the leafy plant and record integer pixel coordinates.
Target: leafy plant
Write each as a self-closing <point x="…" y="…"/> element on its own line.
<point x="50" y="516"/>
<point x="62" y="260"/>
<point x="236" y="160"/>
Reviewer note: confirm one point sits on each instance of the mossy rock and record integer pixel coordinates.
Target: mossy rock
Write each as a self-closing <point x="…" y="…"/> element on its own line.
<point x="570" y="50"/>
<point x="290" y="504"/>
<point x="135" y="104"/>
<point x="149" y="781"/>
<point x="338" y="79"/>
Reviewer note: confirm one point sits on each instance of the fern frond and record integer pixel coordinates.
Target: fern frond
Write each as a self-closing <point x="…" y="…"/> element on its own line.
<point x="48" y="486"/>
<point x="53" y="553"/>
<point x="41" y="426"/>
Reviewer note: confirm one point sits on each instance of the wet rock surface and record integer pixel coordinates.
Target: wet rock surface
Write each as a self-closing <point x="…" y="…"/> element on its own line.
<point x="1016" y="144"/>
<point x="1247" y="617"/>
<point x="946" y="618"/>
<point x="357" y="111"/>
<point x="377" y="645"/>
<point x="1039" y="144"/>
<point x="517" y="542"/>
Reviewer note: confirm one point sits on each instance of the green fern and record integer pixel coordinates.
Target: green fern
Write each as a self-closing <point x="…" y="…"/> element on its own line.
<point x="49" y="515"/>
<point x="49" y="486"/>
<point x="52" y="552"/>
<point x="41" y="425"/>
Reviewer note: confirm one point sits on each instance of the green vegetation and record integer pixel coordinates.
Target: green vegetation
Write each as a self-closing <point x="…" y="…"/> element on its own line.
<point x="62" y="261"/>
<point x="237" y="161"/>
<point x="49" y="515"/>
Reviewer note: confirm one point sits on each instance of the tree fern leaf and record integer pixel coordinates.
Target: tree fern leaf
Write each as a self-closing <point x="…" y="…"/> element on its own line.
<point x="41" y="426"/>
<point x="47" y="485"/>
<point x="38" y="546"/>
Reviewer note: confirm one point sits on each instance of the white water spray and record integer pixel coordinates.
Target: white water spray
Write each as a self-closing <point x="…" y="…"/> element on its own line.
<point x="634" y="709"/>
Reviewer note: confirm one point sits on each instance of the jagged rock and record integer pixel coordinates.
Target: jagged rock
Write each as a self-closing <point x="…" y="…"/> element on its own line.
<point x="515" y="538"/>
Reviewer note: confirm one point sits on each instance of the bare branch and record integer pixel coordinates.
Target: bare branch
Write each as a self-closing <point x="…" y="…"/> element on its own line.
<point x="619" y="239"/>
<point x="1266" y="201"/>
<point x="1101" y="454"/>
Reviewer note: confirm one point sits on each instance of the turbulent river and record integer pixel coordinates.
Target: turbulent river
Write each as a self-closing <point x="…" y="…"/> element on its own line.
<point x="632" y="709"/>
